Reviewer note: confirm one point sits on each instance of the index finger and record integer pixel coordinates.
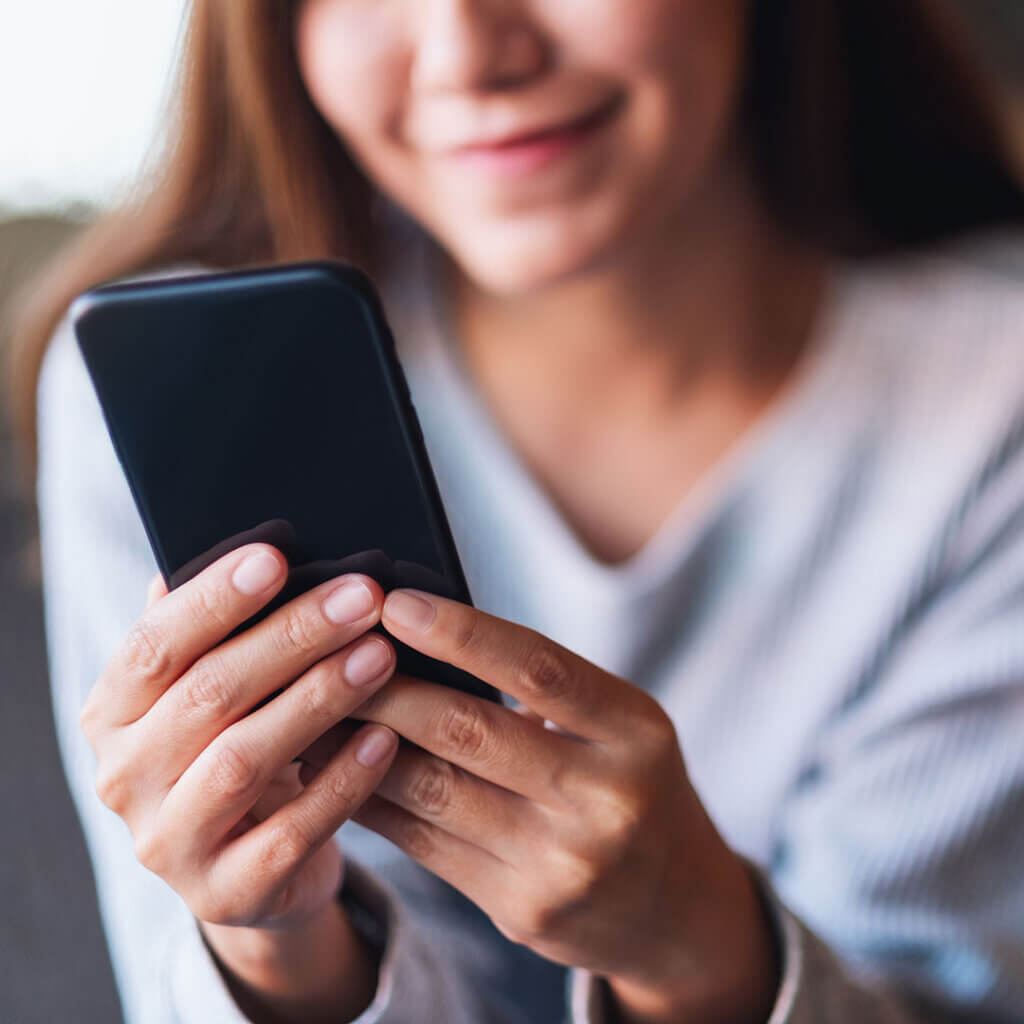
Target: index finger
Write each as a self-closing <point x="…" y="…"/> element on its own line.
<point x="539" y="673"/>
<point x="181" y="627"/>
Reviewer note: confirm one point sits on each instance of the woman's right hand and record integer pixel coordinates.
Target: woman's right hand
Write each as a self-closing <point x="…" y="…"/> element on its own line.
<point x="193" y="773"/>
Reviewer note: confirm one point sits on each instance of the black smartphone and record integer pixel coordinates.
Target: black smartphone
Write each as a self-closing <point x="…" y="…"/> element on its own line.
<point x="269" y="404"/>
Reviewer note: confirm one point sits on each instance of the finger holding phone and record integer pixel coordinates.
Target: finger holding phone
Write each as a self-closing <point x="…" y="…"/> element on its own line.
<point x="585" y="842"/>
<point x="207" y="786"/>
<point x="293" y="388"/>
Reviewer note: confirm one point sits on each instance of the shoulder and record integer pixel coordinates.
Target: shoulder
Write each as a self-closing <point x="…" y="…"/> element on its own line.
<point x="958" y="310"/>
<point x="938" y="341"/>
<point x="931" y="349"/>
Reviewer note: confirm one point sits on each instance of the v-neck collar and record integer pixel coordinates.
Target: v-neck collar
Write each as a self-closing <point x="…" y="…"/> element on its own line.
<point x="435" y="348"/>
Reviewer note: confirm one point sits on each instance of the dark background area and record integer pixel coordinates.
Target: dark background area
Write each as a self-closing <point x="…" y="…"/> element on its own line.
<point x="53" y="963"/>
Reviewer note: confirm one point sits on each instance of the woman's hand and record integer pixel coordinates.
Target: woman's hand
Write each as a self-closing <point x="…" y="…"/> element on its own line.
<point x="208" y="789"/>
<point x="586" y="842"/>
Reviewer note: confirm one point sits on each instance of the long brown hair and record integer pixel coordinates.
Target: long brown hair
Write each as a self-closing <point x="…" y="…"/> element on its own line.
<point x="869" y="129"/>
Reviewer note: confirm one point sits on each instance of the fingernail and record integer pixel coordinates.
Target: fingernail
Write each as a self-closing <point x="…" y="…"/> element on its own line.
<point x="375" y="747"/>
<point x="350" y="602"/>
<point x="367" y="662"/>
<point x="408" y="609"/>
<point x="256" y="573"/>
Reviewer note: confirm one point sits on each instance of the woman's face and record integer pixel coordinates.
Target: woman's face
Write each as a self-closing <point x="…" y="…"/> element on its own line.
<point x="535" y="139"/>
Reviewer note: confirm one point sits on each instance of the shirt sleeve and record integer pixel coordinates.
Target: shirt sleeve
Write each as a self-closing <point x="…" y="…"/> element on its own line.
<point x="896" y="888"/>
<point x="443" y="959"/>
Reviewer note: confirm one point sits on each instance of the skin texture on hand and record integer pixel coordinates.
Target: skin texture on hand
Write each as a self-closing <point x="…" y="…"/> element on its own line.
<point x="570" y="821"/>
<point x="584" y="842"/>
<point x="744" y="979"/>
<point x="205" y="770"/>
<point x="319" y="972"/>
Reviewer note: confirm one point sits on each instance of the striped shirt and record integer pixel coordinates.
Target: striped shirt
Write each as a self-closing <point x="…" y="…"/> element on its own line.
<point x="833" y="618"/>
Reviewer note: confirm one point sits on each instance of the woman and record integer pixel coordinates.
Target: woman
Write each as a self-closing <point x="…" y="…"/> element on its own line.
<point x="725" y="491"/>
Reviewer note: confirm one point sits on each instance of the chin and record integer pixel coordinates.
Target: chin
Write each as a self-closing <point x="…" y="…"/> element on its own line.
<point x="519" y="259"/>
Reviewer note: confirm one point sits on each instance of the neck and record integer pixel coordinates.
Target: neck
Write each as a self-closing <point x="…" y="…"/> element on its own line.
<point x="718" y="294"/>
<point x="622" y="386"/>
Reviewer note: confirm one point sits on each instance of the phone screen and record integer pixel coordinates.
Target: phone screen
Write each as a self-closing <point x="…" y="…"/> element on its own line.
<point x="268" y="404"/>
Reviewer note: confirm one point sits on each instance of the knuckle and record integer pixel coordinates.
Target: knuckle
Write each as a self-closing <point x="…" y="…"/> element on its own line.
<point x="298" y="633"/>
<point x="535" y="920"/>
<point x="205" y="608"/>
<point x="341" y="790"/>
<point x="151" y="851"/>
<point x="622" y="821"/>
<point x="207" y="692"/>
<point x="432" y="790"/>
<point x="463" y="730"/>
<point x="659" y="731"/>
<point x="210" y="910"/>
<point x="416" y="838"/>
<point x="579" y="875"/>
<point x="320" y="695"/>
<point x="89" y="718"/>
<point x="566" y="782"/>
<point x="210" y="905"/>
<point x="509" y="927"/>
<point x="546" y="670"/>
<point x="618" y="812"/>
<point x="289" y="843"/>
<point x="233" y="771"/>
<point x="145" y="654"/>
<point x="112" y="788"/>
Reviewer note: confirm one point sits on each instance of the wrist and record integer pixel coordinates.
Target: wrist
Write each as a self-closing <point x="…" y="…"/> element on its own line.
<point x="735" y="978"/>
<point x="319" y="970"/>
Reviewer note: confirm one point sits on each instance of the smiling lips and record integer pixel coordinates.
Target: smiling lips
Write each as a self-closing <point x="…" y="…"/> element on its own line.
<point x="528" y="151"/>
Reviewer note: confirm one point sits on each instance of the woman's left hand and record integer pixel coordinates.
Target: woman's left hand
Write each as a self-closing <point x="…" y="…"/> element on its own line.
<point x="586" y="842"/>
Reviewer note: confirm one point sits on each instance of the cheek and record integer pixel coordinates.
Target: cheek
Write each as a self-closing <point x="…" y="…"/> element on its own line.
<point x="631" y="37"/>
<point x="681" y="59"/>
<point x="684" y="61"/>
<point x="354" y="58"/>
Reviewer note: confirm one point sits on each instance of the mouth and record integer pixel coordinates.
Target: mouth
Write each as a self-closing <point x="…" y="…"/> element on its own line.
<point x="578" y="124"/>
<point x="530" y="149"/>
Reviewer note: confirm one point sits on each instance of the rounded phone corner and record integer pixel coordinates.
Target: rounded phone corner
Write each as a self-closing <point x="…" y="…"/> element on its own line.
<point x="346" y="274"/>
<point x="80" y="308"/>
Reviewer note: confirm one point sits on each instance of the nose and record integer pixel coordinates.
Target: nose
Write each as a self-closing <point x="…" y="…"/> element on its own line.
<point x="476" y="45"/>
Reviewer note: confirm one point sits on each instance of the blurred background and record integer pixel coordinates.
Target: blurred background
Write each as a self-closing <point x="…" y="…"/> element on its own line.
<point x="83" y="89"/>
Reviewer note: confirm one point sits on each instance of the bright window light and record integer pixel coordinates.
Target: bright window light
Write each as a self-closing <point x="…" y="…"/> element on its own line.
<point x="83" y="85"/>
